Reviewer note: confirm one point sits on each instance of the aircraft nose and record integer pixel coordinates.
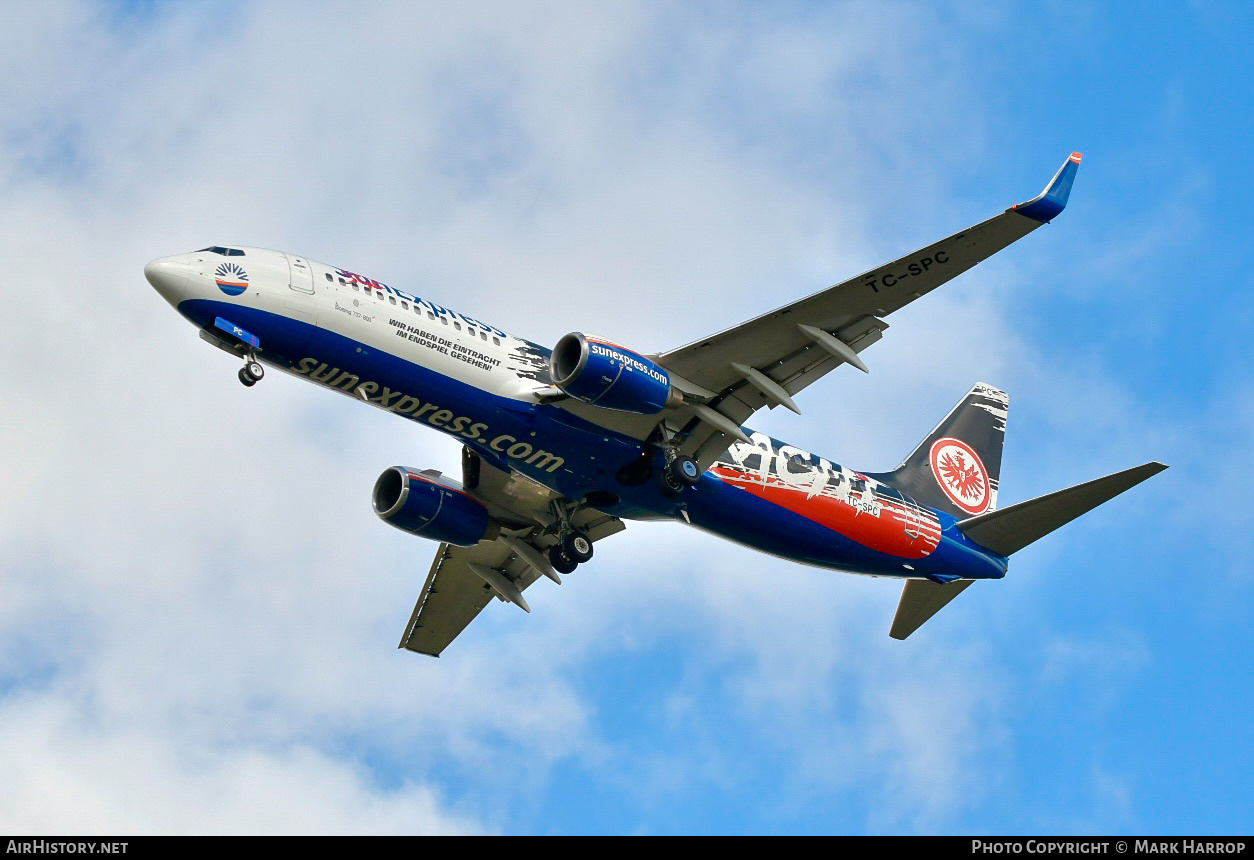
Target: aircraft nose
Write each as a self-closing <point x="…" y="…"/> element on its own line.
<point x="168" y="276"/>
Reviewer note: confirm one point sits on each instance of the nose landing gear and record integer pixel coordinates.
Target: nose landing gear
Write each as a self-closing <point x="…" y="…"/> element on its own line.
<point x="252" y="371"/>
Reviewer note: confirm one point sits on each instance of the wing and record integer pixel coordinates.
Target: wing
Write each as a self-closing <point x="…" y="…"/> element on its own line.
<point x="463" y="580"/>
<point x="765" y="361"/>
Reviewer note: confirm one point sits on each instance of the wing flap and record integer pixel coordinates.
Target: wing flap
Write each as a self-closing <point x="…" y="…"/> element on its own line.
<point x="463" y="580"/>
<point x="770" y="340"/>
<point x="706" y="442"/>
<point x="451" y="598"/>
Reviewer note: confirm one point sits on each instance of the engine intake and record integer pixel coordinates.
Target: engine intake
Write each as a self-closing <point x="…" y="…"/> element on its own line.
<point x="431" y="506"/>
<point x="611" y="376"/>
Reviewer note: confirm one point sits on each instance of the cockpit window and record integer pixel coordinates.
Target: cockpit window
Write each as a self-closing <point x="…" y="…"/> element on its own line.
<point x="225" y="252"/>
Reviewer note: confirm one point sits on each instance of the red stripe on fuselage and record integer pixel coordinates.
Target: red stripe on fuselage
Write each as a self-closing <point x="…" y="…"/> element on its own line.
<point x="882" y="524"/>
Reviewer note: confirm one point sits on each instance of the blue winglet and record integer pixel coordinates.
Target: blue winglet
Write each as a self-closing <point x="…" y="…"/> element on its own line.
<point x="1053" y="199"/>
<point x="236" y="332"/>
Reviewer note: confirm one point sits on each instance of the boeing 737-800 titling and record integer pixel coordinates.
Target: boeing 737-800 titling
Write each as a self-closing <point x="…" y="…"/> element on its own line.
<point x="561" y="445"/>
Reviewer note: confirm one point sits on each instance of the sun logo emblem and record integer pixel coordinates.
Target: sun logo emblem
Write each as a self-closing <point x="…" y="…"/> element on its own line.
<point x="231" y="278"/>
<point x="961" y="474"/>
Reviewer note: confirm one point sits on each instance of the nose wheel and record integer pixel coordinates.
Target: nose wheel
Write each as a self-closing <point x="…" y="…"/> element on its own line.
<point x="252" y="371"/>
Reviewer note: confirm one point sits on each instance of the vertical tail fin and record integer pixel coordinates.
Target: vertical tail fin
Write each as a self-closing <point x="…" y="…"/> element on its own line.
<point x="956" y="467"/>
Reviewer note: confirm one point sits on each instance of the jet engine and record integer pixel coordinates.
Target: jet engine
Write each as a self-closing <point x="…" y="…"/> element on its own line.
<point x="608" y="375"/>
<point x="431" y="506"/>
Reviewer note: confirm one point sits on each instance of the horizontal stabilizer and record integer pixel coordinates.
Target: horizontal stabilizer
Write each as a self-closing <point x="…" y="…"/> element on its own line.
<point x="1011" y="529"/>
<point x="920" y="600"/>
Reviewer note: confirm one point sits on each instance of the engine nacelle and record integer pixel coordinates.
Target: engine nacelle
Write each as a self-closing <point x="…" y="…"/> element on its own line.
<point x="608" y="375"/>
<point x="431" y="506"/>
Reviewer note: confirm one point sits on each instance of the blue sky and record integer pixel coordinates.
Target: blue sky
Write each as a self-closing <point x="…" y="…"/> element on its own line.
<point x="199" y="611"/>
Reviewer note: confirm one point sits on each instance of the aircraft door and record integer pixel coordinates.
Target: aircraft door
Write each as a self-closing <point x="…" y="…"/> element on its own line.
<point x="299" y="302"/>
<point x="300" y="276"/>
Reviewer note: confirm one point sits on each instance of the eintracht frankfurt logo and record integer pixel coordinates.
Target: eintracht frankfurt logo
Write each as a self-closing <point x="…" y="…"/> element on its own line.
<point x="960" y="474"/>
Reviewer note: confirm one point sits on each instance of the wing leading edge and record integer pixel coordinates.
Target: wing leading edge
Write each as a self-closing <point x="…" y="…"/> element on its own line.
<point x="764" y="361"/>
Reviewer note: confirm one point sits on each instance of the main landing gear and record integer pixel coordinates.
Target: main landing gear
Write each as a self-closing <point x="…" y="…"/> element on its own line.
<point x="573" y="546"/>
<point x="252" y="371"/>
<point x="679" y="472"/>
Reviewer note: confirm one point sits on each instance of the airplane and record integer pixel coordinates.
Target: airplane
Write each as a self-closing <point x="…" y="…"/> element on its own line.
<point x="561" y="445"/>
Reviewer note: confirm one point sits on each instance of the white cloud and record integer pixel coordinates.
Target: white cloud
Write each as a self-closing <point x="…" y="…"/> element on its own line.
<point x="67" y="773"/>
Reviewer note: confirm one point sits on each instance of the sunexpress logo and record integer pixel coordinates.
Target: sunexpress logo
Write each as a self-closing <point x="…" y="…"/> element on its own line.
<point x="437" y="310"/>
<point x="431" y="413"/>
<point x="629" y="360"/>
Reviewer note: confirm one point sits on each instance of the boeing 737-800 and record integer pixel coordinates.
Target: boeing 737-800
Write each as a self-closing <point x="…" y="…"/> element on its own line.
<point x="561" y="445"/>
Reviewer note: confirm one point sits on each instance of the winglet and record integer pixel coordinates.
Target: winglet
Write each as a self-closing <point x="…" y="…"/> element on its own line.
<point x="1046" y="206"/>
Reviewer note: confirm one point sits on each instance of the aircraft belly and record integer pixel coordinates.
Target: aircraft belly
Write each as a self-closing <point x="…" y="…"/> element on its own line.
<point x="749" y="519"/>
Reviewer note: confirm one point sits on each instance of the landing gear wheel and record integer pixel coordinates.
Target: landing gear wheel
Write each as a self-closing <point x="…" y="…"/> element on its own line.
<point x="248" y="381"/>
<point x="685" y="470"/>
<point x="577" y="546"/>
<point x="669" y="484"/>
<point x="253" y="370"/>
<point x="560" y="562"/>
